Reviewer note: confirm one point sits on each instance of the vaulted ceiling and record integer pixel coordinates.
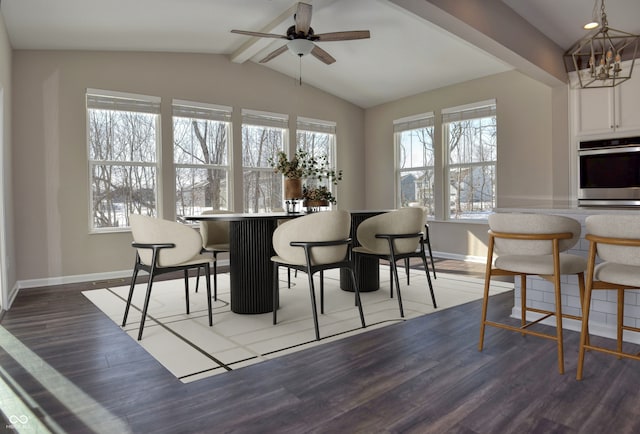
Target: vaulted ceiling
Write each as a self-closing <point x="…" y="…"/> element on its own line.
<point x="414" y="47"/>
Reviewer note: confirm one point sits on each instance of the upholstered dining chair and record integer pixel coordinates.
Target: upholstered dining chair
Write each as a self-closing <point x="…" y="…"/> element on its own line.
<point x="394" y="235"/>
<point x="533" y="244"/>
<point x="312" y="243"/>
<point x="427" y="242"/>
<point x="613" y="264"/>
<point x="215" y="239"/>
<point x="164" y="246"/>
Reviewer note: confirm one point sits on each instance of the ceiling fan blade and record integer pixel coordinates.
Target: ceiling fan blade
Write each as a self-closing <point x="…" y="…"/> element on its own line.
<point x="322" y="55"/>
<point x="342" y="36"/>
<point x="274" y="53"/>
<point x="258" y="34"/>
<point x="303" y="18"/>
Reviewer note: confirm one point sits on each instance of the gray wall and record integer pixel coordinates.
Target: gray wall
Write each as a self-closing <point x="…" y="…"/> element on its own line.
<point x="7" y="250"/>
<point x="50" y="157"/>
<point x="531" y="126"/>
<point x="50" y="160"/>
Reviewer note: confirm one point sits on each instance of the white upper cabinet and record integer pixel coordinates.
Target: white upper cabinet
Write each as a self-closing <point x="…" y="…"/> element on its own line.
<point x="608" y="110"/>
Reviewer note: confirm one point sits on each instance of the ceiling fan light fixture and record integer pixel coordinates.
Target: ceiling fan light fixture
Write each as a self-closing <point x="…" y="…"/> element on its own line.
<point x="300" y="47"/>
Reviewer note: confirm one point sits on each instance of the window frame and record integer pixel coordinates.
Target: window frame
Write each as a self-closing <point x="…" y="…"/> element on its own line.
<point x="256" y="118"/>
<point x="99" y="99"/>
<point x="317" y="126"/>
<point x="204" y="112"/>
<point x="474" y="111"/>
<point x="406" y="124"/>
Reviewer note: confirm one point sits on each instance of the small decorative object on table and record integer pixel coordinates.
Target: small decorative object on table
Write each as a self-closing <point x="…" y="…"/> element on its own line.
<point x="317" y="174"/>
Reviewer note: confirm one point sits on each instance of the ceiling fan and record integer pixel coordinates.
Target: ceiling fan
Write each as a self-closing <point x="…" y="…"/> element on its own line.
<point x="301" y="37"/>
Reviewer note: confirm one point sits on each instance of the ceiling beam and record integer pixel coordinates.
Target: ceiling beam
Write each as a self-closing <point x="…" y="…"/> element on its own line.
<point x="491" y="27"/>
<point x="254" y="45"/>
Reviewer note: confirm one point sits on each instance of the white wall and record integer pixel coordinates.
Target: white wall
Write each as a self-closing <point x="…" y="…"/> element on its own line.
<point x="50" y="158"/>
<point x="530" y="126"/>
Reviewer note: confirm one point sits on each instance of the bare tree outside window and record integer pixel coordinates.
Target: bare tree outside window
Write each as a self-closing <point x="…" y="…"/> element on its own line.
<point x="415" y="162"/>
<point x="122" y="163"/>
<point x="472" y="149"/>
<point x="262" y="187"/>
<point x="201" y="159"/>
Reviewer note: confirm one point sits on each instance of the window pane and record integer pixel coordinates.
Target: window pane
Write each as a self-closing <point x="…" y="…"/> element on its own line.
<point x="198" y="141"/>
<point x="122" y="136"/>
<point x="417" y="187"/>
<point x="472" y="191"/>
<point x="262" y="191"/>
<point x="472" y="148"/>
<point x="200" y="155"/>
<point x="117" y="191"/>
<point x="318" y="145"/>
<point x="416" y="148"/>
<point x="262" y="188"/>
<point x="123" y="154"/>
<point x="415" y="167"/>
<point x="198" y="189"/>
<point x="259" y="144"/>
<point x="472" y="141"/>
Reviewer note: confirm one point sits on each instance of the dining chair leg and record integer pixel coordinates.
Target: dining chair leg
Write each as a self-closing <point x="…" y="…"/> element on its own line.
<point x="146" y="303"/>
<point x="197" y="279"/>
<point x="358" y="300"/>
<point x="390" y="280"/>
<point x="428" y="242"/>
<point x="397" y="280"/>
<point x="133" y="283"/>
<point x="207" y="270"/>
<point x="321" y="291"/>
<point x="186" y="288"/>
<point x="275" y="292"/>
<point x="426" y="269"/>
<point x="215" y="276"/>
<point x="406" y="269"/>
<point x="313" y="303"/>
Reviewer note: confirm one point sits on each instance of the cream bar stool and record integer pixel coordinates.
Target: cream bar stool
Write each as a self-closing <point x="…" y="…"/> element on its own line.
<point x="615" y="241"/>
<point x="533" y="244"/>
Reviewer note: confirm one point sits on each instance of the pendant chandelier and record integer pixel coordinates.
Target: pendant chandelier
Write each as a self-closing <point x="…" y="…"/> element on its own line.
<point x="598" y="58"/>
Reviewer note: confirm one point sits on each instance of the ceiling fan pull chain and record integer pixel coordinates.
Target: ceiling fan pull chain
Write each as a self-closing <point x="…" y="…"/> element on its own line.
<point x="300" y="69"/>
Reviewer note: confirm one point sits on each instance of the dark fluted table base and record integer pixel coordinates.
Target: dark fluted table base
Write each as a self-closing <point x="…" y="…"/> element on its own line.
<point x="250" y="262"/>
<point x="368" y="270"/>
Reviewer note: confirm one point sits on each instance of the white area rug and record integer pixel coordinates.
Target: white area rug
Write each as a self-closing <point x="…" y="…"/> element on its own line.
<point x="191" y="350"/>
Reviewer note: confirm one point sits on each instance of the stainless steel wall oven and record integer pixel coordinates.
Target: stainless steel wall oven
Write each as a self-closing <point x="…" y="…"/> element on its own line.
<point x="609" y="172"/>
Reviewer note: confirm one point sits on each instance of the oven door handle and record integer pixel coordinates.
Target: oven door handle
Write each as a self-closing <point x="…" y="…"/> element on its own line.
<point x="617" y="150"/>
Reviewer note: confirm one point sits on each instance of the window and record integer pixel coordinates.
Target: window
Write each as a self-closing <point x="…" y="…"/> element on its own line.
<point x="318" y="138"/>
<point x="263" y="135"/>
<point x="201" y="156"/>
<point x="415" y="162"/>
<point x="123" y="137"/>
<point x="470" y="136"/>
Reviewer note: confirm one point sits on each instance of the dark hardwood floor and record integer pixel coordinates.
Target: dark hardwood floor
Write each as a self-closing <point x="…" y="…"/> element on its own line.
<point x="83" y="374"/>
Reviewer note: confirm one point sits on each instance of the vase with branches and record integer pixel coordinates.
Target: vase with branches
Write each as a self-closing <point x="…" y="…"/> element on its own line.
<point x="316" y="172"/>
